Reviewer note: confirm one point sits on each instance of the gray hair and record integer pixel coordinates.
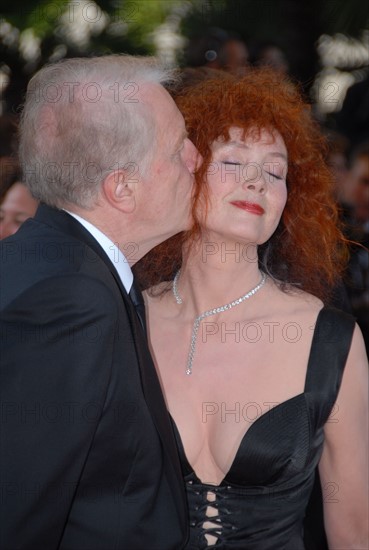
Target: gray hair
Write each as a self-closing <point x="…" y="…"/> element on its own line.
<point x="82" y="120"/>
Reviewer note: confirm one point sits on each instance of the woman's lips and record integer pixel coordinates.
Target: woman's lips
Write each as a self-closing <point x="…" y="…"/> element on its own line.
<point x="249" y="207"/>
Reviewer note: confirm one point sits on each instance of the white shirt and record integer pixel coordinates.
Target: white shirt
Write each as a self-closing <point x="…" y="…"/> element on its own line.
<point x="115" y="255"/>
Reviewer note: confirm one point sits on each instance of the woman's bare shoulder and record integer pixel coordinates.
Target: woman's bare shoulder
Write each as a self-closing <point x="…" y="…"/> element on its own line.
<point x="293" y="301"/>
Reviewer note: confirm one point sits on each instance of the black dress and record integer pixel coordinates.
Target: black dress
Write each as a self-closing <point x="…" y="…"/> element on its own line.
<point x="262" y="500"/>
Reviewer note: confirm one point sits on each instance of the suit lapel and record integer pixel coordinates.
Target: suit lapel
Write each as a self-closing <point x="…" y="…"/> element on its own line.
<point x="150" y="383"/>
<point x="154" y="397"/>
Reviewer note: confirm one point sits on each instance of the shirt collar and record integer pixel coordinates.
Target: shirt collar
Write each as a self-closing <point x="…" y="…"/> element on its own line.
<point x="115" y="255"/>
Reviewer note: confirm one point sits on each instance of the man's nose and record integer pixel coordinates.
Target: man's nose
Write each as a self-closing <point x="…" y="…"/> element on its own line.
<point x="193" y="157"/>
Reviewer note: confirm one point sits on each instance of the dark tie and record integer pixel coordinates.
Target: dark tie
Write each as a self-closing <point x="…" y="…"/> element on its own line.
<point x="137" y="300"/>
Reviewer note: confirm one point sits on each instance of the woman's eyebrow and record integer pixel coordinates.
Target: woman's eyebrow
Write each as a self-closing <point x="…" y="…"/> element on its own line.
<point x="242" y="145"/>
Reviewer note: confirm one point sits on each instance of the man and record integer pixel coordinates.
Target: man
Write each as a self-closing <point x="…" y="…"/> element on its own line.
<point x="88" y="460"/>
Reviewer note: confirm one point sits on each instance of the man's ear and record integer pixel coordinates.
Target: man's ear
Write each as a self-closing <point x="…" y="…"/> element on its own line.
<point x="119" y="191"/>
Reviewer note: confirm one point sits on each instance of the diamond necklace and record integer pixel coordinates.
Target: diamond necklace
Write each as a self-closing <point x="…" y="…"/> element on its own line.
<point x="197" y="321"/>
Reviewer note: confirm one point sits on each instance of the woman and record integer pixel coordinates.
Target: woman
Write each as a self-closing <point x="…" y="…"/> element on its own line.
<point x="250" y="358"/>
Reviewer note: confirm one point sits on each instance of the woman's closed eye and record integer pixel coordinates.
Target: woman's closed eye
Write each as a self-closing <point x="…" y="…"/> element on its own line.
<point x="275" y="176"/>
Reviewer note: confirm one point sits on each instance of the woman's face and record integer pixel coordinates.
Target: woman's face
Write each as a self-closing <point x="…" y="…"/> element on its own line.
<point x="247" y="186"/>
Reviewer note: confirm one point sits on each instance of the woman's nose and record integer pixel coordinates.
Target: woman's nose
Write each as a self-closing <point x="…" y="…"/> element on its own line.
<point x="254" y="179"/>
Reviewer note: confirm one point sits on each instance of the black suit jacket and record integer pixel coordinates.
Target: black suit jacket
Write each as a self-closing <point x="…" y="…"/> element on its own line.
<point x="88" y="459"/>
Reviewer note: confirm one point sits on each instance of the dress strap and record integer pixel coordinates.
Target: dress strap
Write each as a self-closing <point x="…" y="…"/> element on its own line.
<point x="329" y="350"/>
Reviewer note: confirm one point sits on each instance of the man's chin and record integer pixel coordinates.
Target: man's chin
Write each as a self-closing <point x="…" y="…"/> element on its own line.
<point x="177" y="231"/>
<point x="186" y="225"/>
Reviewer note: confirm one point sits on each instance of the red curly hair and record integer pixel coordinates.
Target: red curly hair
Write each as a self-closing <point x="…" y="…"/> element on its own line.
<point x="308" y="249"/>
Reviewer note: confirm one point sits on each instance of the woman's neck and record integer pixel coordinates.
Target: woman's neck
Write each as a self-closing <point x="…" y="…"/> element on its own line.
<point x="213" y="275"/>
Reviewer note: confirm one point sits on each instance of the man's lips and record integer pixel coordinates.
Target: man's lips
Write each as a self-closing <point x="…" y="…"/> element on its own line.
<point x="249" y="207"/>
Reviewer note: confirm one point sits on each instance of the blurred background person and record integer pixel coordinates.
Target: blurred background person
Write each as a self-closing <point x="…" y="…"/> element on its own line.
<point x="8" y="135"/>
<point x="16" y="202"/>
<point x="359" y="173"/>
<point x="218" y="49"/>
<point x="234" y="55"/>
<point x="358" y="231"/>
<point x="353" y="119"/>
<point x="337" y="159"/>
<point x="269" y="54"/>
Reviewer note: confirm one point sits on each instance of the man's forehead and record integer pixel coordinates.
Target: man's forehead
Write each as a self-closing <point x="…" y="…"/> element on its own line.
<point x="152" y="92"/>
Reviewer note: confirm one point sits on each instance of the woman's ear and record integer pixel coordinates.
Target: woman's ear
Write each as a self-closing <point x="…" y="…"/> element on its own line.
<point x="119" y="190"/>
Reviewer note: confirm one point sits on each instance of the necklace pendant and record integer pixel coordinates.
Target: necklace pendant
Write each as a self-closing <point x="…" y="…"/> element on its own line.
<point x="219" y="309"/>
